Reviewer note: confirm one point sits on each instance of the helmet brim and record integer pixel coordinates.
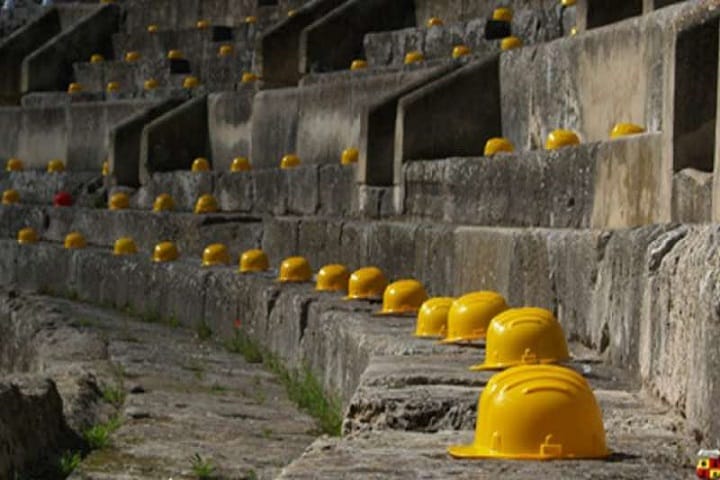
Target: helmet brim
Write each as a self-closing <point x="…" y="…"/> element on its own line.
<point x="479" y="452"/>
<point x="455" y="340"/>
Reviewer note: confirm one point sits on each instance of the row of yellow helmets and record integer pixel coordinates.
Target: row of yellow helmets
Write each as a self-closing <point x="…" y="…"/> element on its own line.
<point x="534" y="409"/>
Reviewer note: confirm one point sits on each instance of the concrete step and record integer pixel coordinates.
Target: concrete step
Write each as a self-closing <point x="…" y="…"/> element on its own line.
<point x="184" y="14"/>
<point x="389" y="48"/>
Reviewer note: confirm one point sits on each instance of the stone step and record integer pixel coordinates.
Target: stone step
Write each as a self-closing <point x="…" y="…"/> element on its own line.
<point x="388" y="48"/>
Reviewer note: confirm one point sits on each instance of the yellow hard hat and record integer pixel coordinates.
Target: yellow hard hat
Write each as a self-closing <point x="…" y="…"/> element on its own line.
<point x="215" y="254"/>
<point x="150" y="84"/>
<point x="206" y="204"/>
<point x="254" y="260"/>
<point x="96" y="58"/>
<point x="112" y="87"/>
<point x="202" y="24"/>
<point x="358" y="64"/>
<point x="625" y="129"/>
<point x="502" y="14"/>
<point x="295" y="269"/>
<point x="536" y="412"/>
<point x="74" y="87"/>
<point x="124" y="246"/>
<point x="520" y="336"/>
<point x="432" y="317"/>
<point x="174" y="54"/>
<point x="367" y="283"/>
<point x="163" y="203"/>
<point x="14" y="165"/>
<point x="251" y="19"/>
<point x="152" y="28"/>
<point x="349" y="156"/>
<point x="27" y="235"/>
<point x="75" y="240"/>
<point x="403" y="297"/>
<point x="561" y="138"/>
<point x="55" y="166"/>
<point x="497" y="145"/>
<point x="190" y="82"/>
<point x="289" y="161"/>
<point x="413" y="57"/>
<point x="200" y="164"/>
<point x="508" y="43"/>
<point x="119" y="201"/>
<point x="460" y="51"/>
<point x="132" y="56"/>
<point x="470" y="315"/>
<point x="10" y="196"/>
<point x="105" y="168"/>
<point x="165" y="252"/>
<point x="248" y="77"/>
<point x="567" y="3"/>
<point x="225" y="50"/>
<point x="291" y="13"/>
<point x="573" y="31"/>
<point x="240" y="164"/>
<point x="332" y="278"/>
<point x="434" y="22"/>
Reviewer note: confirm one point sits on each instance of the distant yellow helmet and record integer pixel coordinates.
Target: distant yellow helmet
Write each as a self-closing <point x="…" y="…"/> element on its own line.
<point x="248" y="77"/>
<point x="470" y="315"/>
<point x="152" y="28"/>
<point x="119" y="201"/>
<point x="150" y="84"/>
<point x="105" y="168"/>
<point x="567" y="3"/>
<point x="251" y="19"/>
<point x="14" y="165"/>
<point x="349" y="156"/>
<point x="367" y="283"/>
<point x="254" y="260"/>
<point x="215" y="254"/>
<point x="332" y="278"/>
<point x="289" y="161"/>
<point x="625" y="129"/>
<point x="124" y="246"/>
<point x="536" y="412"/>
<point x="163" y="203"/>
<point x="295" y="269"/>
<point x="508" y="43"/>
<point x="202" y="24"/>
<point x="27" y="235"/>
<point x="521" y="336"/>
<point x="240" y="164"/>
<point x="200" y="164"/>
<point x="191" y="82"/>
<point x="502" y="14"/>
<point x="403" y="297"/>
<point x="96" y="58"/>
<point x="460" y="51"/>
<point x="174" y="55"/>
<point x="561" y="138"/>
<point x="75" y="240"/>
<point x="112" y="87"/>
<point x="132" y="56"/>
<point x="497" y="145"/>
<point x="225" y="50"/>
<point x="206" y="204"/>
<point x="55" y="166"/>
<point x="165" y="252"/>
<point x="413" y="57"/>
<point x="434" y="22"/>
<point x="358" y="64"/>
<point x="10" y="197"/>
<point x="432" y="317"/>
<point x="74" y="87"/>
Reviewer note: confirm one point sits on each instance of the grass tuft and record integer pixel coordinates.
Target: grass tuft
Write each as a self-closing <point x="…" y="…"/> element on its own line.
<point x="98" y="436"/>
<point x="202" y="469"/>
<point x="114" y="395"/>
<point x="203" y="330"/>
<point x="242" y="344"/>
<point x="69" y="462"/>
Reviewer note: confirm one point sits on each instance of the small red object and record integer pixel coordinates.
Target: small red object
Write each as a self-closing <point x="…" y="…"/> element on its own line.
<point x="62" y="199"/>
<point x="238" y="323"/>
